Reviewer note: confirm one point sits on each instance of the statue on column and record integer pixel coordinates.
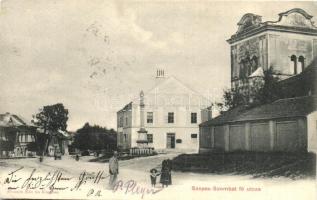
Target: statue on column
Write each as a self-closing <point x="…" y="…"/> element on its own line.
<point x="142" y="133"/>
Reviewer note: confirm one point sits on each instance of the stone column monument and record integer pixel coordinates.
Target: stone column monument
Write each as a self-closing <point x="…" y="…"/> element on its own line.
<point x="142" y="133"/>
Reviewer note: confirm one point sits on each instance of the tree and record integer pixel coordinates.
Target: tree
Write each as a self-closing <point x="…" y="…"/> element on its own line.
<point x="257" y="91"/>
<point x="95" y="138"/>
<point x="270" y="91"/>
<point x="51" y="119"/>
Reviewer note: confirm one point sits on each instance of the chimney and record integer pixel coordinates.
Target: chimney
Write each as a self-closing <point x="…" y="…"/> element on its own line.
<point x="160" y="73"/>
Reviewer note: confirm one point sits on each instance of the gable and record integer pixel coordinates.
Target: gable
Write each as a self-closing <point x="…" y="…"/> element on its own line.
<point x="171" y="91"/>
<point x="296" y="18"/>
<point x="9" y="120"/>
<point x="170" y="86"/>
<point x="249" y="21"/>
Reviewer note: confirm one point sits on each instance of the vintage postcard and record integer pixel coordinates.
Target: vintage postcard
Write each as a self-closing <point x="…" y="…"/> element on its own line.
<point x="166" y="99"/>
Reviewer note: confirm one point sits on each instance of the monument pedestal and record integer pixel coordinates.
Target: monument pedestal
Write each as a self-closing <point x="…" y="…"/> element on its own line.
<point x="142" y="138"/>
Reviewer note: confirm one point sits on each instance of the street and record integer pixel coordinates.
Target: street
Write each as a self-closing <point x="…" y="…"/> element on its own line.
<point x="134" y="181"/>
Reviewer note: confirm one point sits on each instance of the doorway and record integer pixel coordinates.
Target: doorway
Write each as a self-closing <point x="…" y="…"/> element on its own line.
<point x="170" y="140"/>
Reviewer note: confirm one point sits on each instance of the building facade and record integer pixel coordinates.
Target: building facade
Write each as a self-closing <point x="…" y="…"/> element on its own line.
<point x="17" y="138"/>
<point x="287" y="46"/>
<point x="287" y="125"/>
<point x="172" y="113"/>
<point x="59" y="142"/>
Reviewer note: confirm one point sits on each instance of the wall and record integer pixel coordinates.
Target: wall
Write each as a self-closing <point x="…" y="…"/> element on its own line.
<point x="244" y="51"/>
<point x="160" y="135"/>
<point x="124" y="128"/>
<point x="269" y="135"/>
<point x="283" y="45"/>
<point x="237" y="137"/>
<point x="312" y="132"/>
<point x="182" y="126"/>
<point x="206" y="135"/>
<point x="260" y="136"/>
<point x="170" y="95"/>
<point x="219" y="137"/>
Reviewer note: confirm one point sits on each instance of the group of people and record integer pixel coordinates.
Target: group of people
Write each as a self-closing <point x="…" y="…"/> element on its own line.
<point x="165" y="173"/>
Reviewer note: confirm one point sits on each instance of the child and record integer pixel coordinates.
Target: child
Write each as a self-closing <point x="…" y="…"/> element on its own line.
<point x="153" y="176"/>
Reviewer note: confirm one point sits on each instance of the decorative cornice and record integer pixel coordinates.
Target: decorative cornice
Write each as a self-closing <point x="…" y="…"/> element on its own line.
<point x="270" y="27"/>
<point x="294" y="21"/>
<point x="295" y="10"/>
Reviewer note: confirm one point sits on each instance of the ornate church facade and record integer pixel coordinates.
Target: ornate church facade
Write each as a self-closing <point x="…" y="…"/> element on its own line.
<point x="287" y="46"/>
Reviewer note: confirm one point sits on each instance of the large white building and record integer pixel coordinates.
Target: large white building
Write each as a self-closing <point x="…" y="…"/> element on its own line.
<point x="172" y="113"/>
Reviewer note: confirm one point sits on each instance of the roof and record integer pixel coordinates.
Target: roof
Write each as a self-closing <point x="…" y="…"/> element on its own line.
<point x="283" y="108"/>
<point x="291" y="107"/>
<point x="301" y="84"/>
<point x="64" y="134"/>
<point x="257" y="73"/>
<point x="167" y="87"/>
<point x="12" y="120"/>
<point x="310" y="70"/>
<point x="226" y="116"/>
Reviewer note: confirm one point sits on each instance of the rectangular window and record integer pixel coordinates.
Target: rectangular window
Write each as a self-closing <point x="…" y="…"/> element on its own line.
<point x="193" y="118"/>
<point x="121" y="122"/>
<point x="2" y="137"/>
<point x="149" y="118"/>
<point x="170" y="118"/>
<point x="126" y="121"/>
<point x="193" y="135"/>
<point x="150" y="138"/>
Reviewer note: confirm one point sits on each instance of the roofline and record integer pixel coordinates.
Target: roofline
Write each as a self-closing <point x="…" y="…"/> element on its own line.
<point x="264" y="118"/>
<point x="256" y="119"/>
<point x="27" y="126"/>
<point x="124" y="107"/>
<point x="162" y="82"/>
<point x="299" y="10"/>
<point x="270" y="27"/>
<point x="194" y="91"/>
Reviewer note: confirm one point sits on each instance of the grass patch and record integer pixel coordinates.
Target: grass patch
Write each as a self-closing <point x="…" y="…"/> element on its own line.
<point x="292" y="165"/>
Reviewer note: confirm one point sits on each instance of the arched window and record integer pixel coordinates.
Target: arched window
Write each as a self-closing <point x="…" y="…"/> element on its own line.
<point x="293" y="65"/>
<point x="301" y="64"/>
<point x="247" y="66"/>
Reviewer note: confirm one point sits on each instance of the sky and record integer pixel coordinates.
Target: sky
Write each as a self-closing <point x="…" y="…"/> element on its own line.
<point x="94" y="56"/>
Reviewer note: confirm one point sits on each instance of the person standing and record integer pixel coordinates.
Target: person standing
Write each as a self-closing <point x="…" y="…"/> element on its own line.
<point x="153" y="176"/>
<point x="169" y="166"/>
<point x="113" y="169"/>
<point x="164" y="180"/>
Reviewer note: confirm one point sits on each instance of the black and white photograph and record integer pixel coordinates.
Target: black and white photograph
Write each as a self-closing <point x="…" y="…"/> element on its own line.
<point x="161" y="99"/>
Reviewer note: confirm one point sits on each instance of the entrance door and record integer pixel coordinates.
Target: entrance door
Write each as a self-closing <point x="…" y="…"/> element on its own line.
<point x="170" y="140"/>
